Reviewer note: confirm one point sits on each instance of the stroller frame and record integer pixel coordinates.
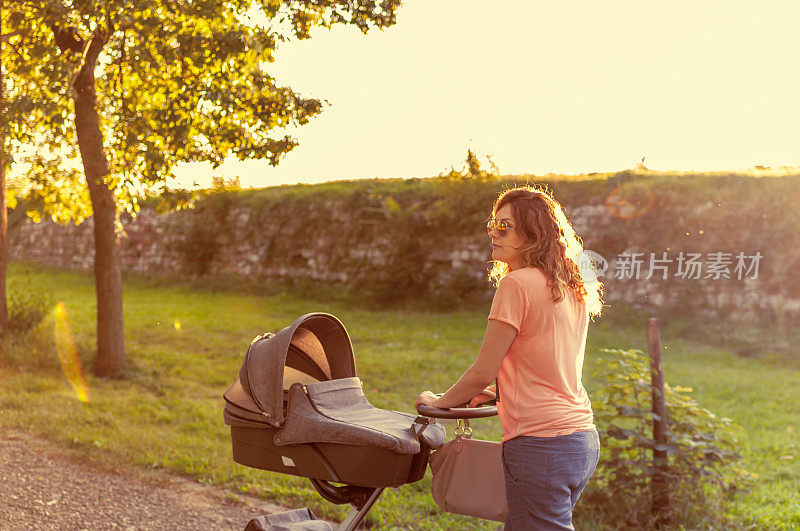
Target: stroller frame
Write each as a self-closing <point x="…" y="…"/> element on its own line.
<point x="362" y="499"/>
<point x="341" y="436"/>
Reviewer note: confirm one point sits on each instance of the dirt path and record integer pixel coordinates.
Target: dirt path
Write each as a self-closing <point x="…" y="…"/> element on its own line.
<point x="40" y="489"/>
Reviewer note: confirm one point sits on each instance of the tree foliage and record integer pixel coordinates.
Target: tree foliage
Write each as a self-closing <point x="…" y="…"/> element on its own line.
<point x="177" y="81"/>
<point x="33" y="119"/>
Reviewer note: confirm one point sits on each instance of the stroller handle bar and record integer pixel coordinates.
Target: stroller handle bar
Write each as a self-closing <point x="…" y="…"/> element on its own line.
<point x="457" y="412"/>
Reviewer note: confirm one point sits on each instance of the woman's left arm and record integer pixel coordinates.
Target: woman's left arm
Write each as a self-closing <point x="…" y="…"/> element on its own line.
<point x="496" y="342"/>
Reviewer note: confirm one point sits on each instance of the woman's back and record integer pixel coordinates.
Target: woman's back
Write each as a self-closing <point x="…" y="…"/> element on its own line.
<point x="540" y="378"/>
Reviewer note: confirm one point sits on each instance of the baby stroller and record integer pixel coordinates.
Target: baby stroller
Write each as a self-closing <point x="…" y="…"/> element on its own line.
<point x="298" y="408"/>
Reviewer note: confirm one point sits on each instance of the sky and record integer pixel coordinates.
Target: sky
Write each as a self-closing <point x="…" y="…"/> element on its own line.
<point x="543" y="87"/>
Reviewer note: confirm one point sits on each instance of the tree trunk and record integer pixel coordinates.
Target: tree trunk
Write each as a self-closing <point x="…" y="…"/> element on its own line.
<point x="3" y="210"/>
<point x="108" y="279"/>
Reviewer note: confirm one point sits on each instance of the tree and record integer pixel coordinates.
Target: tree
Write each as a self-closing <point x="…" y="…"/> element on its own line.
<point x="472" y="170"/>
<point x="158" y="82"/>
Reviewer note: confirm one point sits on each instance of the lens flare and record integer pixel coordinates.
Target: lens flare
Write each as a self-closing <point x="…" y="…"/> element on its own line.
<point x="68" y="354"/>
<point x="630" y="200"/>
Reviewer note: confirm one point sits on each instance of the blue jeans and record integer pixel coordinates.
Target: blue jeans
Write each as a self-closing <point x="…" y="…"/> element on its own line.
<point x="545" y="477"/>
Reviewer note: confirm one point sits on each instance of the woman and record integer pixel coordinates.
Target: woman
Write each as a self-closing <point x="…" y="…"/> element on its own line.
<point x="534" y="346"/>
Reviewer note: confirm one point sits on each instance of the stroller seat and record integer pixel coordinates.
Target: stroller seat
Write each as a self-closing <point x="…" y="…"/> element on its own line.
<point x="298" y="408"/>
<point x="337" y="411"/>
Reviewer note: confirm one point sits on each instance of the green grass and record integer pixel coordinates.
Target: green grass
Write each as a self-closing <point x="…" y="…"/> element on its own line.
<point x="185" y="344"/>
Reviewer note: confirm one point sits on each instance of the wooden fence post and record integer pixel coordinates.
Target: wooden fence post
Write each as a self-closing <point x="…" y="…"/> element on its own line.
<point x="658" y="482"/>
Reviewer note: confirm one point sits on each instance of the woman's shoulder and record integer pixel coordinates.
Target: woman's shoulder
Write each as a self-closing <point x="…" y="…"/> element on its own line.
<point x="527" y="275"/>
<point x="530" y="280"/>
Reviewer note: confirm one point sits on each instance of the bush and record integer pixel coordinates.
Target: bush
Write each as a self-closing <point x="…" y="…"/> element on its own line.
<point x="701" y="448"/>
<point x="27" y="308"/>
<point x="28" y="342"/>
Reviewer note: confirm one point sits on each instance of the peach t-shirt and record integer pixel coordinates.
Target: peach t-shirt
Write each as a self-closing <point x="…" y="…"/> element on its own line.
<point x="541" y="392"/>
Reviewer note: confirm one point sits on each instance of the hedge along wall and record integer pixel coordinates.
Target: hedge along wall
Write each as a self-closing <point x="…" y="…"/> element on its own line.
<point x="721" y="245"/>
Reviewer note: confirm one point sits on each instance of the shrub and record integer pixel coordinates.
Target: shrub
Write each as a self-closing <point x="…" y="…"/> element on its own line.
<point x="701" y="449"/>
<point x="28" y="342"/>
<point x="198" y="248"/>
<point x="27" y="308"/>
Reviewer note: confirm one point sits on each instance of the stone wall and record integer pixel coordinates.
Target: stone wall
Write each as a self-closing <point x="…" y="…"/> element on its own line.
<point x="709" y="246"/>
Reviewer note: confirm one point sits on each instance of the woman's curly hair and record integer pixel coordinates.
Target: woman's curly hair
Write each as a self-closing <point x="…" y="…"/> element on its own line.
<point x="551" y="245"/>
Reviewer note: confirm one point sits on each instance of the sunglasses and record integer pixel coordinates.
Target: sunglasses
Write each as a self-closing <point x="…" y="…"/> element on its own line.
<point x="500" y="224"/>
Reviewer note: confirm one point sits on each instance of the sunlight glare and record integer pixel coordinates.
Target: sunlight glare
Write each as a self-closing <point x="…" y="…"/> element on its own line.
<point x="68" y="353"/>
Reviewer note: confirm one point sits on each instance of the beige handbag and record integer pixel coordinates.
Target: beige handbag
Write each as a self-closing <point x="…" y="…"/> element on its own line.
<point x="468" y="476"/>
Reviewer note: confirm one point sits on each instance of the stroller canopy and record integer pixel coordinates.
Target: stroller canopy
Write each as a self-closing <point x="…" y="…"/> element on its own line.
<point x="315" y="347"/>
